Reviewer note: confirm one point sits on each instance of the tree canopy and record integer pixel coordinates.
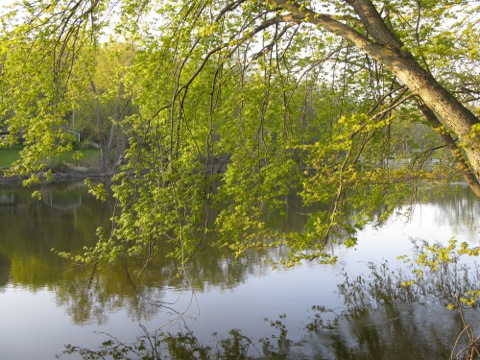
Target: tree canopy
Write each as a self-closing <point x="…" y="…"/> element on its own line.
<point x="213" y="114"/>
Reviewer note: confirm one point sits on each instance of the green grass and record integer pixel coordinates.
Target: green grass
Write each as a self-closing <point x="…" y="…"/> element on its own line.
<point x="90" y="156"/>
<point x="9" y="155"/>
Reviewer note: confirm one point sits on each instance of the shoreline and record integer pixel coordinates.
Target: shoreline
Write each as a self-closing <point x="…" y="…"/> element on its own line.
<point x="71" y="174"/>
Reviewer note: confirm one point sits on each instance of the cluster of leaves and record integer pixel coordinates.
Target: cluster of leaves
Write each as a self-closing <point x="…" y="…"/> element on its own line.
<point x="215" y="105"/>
<point x="440" y="268"/>
<point x="435" y="274"/>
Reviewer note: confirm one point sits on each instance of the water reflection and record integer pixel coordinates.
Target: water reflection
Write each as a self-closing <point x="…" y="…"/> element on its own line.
<point x="29" y="229"/>
<point x="66" y="199"/>
<point x="4" y="270"/>
<point x="372" y="318"/>
<point x="456" y="209"/>
<point x="91" y="297"/>
<point x="378" y="319"/>
<point x="7" y="199"/>
<point x="390" y="332"/>
<point x="66" y="219"/>
<point x="393" y="332"/>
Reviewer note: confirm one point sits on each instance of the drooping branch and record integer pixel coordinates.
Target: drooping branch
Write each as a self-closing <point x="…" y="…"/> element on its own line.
<point x="386" y="48"/>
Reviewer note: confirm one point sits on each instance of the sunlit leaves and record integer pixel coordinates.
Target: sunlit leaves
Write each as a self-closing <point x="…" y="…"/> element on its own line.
<point x="225" y="107"/>
<point x="444" y="262"/>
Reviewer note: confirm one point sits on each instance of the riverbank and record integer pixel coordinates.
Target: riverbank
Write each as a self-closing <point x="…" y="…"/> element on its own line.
<point x="64" y="167"/>
<point x="62" y="174"/>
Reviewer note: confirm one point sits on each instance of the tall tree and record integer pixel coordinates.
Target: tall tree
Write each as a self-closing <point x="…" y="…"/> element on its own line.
<point x="102" y="106"/>
<point x="239" y="102"/>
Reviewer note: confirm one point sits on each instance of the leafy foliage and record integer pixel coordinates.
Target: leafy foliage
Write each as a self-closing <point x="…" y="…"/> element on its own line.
<point x="212" y="113"/>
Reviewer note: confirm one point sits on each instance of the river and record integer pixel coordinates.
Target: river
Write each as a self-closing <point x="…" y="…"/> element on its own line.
<point x="351" y="310"/>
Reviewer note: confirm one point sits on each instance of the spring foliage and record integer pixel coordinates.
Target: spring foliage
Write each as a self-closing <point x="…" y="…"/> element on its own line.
<point x="237" y="106"/>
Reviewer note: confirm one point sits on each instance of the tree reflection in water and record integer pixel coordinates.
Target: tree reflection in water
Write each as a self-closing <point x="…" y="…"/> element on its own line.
<point x="418" y="320"/>
<point x="379" y="319"/>
<point x="409" y="333"/>
<point x="4" y="270"/>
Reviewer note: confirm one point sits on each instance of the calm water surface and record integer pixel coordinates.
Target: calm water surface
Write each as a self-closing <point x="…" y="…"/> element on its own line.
<point x="46" y="302"/>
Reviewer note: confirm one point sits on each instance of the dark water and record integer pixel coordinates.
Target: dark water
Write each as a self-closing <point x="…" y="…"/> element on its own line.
<point x="350" y="310"/>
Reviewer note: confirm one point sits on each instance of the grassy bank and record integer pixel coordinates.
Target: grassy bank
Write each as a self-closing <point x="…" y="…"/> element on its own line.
<point x="89" y="158"/>
<point x="9" y="155"/>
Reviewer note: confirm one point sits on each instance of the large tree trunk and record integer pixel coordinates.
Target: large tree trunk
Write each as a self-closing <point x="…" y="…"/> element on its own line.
<point x="456" y="117"/>
<point x="382" y="45"/>
<point x="462" y="165"/>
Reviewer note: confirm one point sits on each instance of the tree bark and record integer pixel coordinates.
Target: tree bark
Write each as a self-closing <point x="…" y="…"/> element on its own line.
<point x="383" y="46"/>
<point x="462" y="164"/>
